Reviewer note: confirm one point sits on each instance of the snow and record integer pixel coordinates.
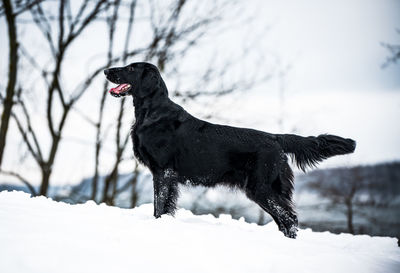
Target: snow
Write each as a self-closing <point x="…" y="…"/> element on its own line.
<point x="41" y="235"/>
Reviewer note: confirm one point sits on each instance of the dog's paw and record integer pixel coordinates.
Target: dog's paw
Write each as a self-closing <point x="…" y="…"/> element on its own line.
<point x="292" y="233"/>
<point x="289" y="227"/>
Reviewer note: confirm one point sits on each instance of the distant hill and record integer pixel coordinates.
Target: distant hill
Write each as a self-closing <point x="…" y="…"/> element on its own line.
<point x="381" y="178"/>
<point x="374" y="192"/>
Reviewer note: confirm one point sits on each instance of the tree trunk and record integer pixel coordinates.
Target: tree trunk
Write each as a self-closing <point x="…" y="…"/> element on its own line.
<point x="95" y="180"/>
<point x="47" y="167"/>
<point x="107" y="183"/>
<point x="114" y="183"/>
<point x="105" y="190"/>
<point x="349" y="205"/>
<point x="96" y="167"/>
<point x="12" y="75"/>
<point x="46" y="173"/>
<point x="134" y="194"/>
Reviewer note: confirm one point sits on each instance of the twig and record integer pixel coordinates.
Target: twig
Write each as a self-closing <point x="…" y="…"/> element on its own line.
<point x="22" y="179"/>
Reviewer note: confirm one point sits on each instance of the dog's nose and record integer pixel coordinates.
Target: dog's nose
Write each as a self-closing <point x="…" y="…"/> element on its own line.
<point x="106" y="71"/>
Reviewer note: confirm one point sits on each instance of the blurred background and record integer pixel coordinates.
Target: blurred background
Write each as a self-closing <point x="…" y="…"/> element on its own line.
<point x="295" y="66"/>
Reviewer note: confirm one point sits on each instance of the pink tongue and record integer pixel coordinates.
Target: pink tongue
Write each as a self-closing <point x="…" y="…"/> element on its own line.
<point x="120" y="88"/>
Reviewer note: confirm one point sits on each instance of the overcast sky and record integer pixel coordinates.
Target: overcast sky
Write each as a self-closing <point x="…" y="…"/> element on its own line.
<point x="335" y="45"/>
<point x="334" y="83"/>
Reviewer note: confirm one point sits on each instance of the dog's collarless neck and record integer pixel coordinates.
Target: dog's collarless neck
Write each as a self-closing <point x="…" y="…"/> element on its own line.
<point x="149" y="105"/>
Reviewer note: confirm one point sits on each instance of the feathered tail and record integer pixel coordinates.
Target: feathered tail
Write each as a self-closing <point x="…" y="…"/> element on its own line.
<point x="308" y="151"/>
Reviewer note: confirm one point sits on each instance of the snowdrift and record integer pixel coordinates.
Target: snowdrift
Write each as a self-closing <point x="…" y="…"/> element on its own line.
<point x="40" y="235"/>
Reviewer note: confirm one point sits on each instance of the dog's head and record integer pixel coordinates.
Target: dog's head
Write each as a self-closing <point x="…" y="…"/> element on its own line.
<point x="137" y="79"/>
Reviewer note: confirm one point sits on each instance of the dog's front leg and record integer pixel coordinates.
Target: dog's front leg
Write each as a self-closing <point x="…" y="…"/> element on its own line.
<point x="160" y="196"/>
<point x="165" y="195"/>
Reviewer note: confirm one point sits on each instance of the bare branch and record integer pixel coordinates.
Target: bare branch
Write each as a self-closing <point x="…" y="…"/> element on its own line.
<point x="80" y="89"/>
<point x="61" y="23"/>
<point x="30" y="129"/>
<point x="28" y="6"/>
<point x="129" y="30"/>
<point x="44" y="25"/>
<point x="394" y="54"/>
<point x="25" y="137"/>
<point x="84" y="116"/>
<point x="69" y="13"/>
<point x="85" y="22"/>
<point x="22" y="179"/>
<point x="34" y="64"/>
<point x="79" y="15"/>
<point x="98" y="146"/>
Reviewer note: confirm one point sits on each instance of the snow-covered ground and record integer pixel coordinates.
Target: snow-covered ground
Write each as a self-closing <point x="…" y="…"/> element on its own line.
<point x="40" y="235"/>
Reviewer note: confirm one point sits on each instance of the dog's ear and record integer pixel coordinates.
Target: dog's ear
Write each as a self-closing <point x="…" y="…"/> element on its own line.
<point x="144" y="76"/>
<point x="149" y="72"/>
<point x="150" y="81"/>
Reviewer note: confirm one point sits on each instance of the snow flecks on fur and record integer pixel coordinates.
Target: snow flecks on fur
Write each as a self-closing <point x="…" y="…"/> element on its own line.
<point x="169" y="173"/>
<point x="287" y="221"/>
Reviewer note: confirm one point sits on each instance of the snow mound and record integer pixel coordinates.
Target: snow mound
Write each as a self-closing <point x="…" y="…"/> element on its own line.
<point x="40" y="235"/>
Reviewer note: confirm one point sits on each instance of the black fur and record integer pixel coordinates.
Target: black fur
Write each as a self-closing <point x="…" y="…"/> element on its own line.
<point x="309" y="151"/>
<point x="179" y="148"/>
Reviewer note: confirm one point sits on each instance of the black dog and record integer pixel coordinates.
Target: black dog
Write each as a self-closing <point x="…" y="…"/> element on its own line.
<point x="179" y="148"/>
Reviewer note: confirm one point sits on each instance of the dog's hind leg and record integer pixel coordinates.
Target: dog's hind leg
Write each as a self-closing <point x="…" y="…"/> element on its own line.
<point x="165" y="193"/>
<point x="275" y="198"/>
<point x="283" y="215"/>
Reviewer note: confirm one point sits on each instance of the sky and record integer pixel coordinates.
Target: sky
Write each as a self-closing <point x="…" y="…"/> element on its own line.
<point x="325" y="58"/>
<point x="335" y="45"/>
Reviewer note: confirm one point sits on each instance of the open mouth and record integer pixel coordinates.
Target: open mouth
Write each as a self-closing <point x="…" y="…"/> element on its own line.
<point x="120" y="90"/>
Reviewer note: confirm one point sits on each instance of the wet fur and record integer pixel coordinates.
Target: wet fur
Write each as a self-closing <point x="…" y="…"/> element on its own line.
<point x="179" y="148"/>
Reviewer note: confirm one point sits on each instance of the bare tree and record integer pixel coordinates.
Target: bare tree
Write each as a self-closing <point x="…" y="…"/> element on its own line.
<point x="120" y="144"/>
<point x="394" y="51"/>
<point x="342" y="190"/>
<point x="357" y="188"/>
<point x="133" y="182"/>
<point x="8" y="101"/>
<point x="12" y="71"/>
<point x="98" y="145"/>
<point x="69" y="27"/>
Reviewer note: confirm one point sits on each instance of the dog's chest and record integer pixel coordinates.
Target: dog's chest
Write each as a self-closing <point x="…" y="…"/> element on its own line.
<point x="152" y="142"/>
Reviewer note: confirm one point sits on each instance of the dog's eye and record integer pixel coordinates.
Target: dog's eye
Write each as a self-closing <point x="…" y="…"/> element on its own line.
<point x="130" y="68"/>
